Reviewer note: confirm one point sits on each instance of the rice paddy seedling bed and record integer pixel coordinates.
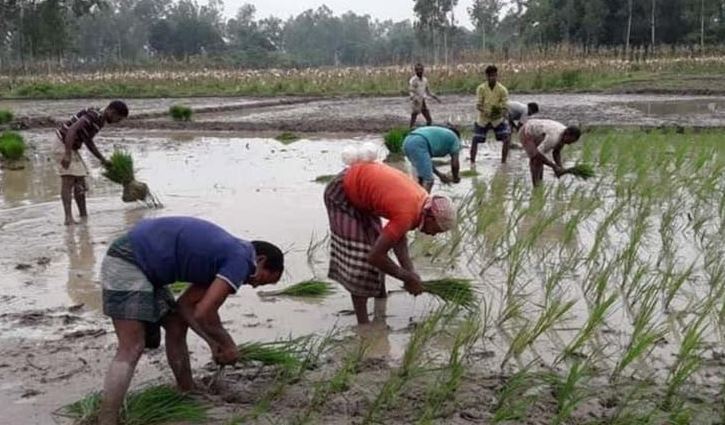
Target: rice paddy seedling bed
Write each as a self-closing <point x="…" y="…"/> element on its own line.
<point x="180" y="113"/>
<point x="287" y="137"/>
<point x="394" y="139"/>
<point x="5" y="116"/>
<point x="12" y="146"/>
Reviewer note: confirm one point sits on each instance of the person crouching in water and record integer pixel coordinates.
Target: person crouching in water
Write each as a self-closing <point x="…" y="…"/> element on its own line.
<point x="135" y="275"/>
<point x="425" y="143"/>
<point x="356" y="200"/>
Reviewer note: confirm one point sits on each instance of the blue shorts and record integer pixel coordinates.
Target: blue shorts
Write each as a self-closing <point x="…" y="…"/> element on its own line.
<point x="417" y="151"/>
<point x="502" y="132"/>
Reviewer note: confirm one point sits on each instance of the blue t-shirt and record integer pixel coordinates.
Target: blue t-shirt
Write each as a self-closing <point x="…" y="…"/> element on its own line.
<point x="187" y="249"/>
<point x="442" y="141"/>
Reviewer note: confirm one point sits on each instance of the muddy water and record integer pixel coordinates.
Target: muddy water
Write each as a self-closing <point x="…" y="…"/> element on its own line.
<point x="256" y="188"/>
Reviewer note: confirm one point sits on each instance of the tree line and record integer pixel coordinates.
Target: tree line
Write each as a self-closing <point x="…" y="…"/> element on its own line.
<point x="101" y="32"/>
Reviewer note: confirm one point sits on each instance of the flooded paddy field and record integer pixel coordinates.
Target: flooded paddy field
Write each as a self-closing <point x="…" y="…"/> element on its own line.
<point x="601" y="301"/>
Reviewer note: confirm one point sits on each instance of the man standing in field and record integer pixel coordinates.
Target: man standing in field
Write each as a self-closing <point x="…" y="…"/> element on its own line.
<point x="135" y="275"/>
<point x="518" y="113"/>
<point x="492" y="106"/>
<point x="80" y="130"/>
<point x="423" y="144"/>
<point x="543" y="141"/>
<point x="419" y="92"/>
<point x="356" y="200"/>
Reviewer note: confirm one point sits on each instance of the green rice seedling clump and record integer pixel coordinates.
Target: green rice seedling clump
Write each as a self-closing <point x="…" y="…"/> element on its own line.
<point x="12" y="146"/>
<point x="469" y="173"/>
<point x="121" y="169"/>
<point x="287" y="137"/>
<point x="308" y="288"/>
<point x="583" y="171"/>
<point x="150" y="406"/>
<point x="5" y="116"/>
<point x="394" y="139"/>
<point x="178" y="287"/>
<point x="452" y="290"/>
<point x="325" y="178"/>
<point x="180" y="113"/>
<point x="287" y="354"/>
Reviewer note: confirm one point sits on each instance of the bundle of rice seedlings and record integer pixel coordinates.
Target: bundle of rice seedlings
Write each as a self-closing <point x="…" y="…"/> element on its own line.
<point x="287" y="137"/>
<point x="325" y="178"/>
<point x="394" y="139"/>
<point x="180" y="113"/>
<point x="583" y="171"/>
<point x="153" y="405"/>
<point x="308" y="288"/>
<point x="5" y="116"/>
<point x="12" y="146"/>
<point x="121" y="169"/>
<point x="452" y="290"/>
<point x="287" y="353"/>
<point x="469" y="173"/>
<point x="178" y="287"/>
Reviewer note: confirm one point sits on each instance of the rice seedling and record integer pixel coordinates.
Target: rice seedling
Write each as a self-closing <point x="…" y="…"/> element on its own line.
<point x="177" y="288"/>
<point x="121" y="168"/>
<point x="180" y="113"/>
<point x="325" y="178"/>
<point x="517" y="396"/>
<point x="469" y="173"/>
<point x="689" y="360"/>
<point x="308" y="288"/>
<point x="597" y="316"/>
<point x="287" y="137"/>
<point x="570" y="391"/>
<point x="150" y="406"/>
<point x="394" y="139"/>
<point x="583" y="171"/>
<point x="452" y="290"/>
<point x="5" y="116"/>
<point x="12" y="146"/>
<point x="287" y="354"/>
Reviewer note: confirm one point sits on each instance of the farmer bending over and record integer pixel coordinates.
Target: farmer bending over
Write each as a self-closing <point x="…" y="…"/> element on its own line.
<point x="419" y="92"/>
<point x="135" y="273"/>
<point x="424" y="144"/>
<point x="356" y="199"/>
<point x="492" y="107"/>
<point x="543" y="141"/>
<point x="518" y="114"/>
<point x="80" y="129"/>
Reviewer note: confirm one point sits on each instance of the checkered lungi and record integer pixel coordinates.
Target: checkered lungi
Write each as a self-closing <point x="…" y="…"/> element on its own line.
<point x="127" y="292"/>
<point x="352" y="235"/>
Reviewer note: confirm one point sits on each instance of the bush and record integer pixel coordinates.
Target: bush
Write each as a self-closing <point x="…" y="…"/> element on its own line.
<point x="394" y="139"/>
<point x="12" y="146"/>
<point x="180" y="113"/>
<point x="5" y="116"/>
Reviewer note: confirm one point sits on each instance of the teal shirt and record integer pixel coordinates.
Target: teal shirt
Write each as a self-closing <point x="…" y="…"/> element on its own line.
<point x="443" y="142"/>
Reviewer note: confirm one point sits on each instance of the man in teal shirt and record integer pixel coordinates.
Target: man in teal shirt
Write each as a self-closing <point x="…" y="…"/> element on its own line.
<point x="424" y="144"/>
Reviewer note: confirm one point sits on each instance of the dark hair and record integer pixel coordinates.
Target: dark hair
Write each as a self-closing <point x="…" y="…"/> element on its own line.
<point x="119" y="107"/>
<point x="275" y="257"/>
<point x="533" y="108"/>
<point x="418" y="65"/>
<point x="491" y="69"/>
<point x="573" y="131"/>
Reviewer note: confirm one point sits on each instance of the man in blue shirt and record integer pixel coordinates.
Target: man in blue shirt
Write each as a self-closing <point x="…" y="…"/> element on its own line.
<point x="135" y="274"/>
<point x="425" y="143"/>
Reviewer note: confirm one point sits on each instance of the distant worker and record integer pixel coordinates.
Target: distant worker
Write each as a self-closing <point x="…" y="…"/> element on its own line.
<point x="543" y="141"/>
<point x="80" y="130"/>
<point x="492" y="104"/>
<point x="518" y="114"/>
<point x="425" y="143"/>
<point x="419" y="91"/>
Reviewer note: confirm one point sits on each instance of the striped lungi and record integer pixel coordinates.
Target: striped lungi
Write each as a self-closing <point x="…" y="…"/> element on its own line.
<point x="127" y="292"/>
<point x="352" y="235"/>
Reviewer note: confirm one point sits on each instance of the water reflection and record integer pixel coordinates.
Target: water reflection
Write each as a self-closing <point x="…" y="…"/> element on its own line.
<point x="81" y="286"/>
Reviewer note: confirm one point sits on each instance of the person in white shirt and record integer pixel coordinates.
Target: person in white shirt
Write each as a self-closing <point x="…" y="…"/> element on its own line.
<point x="419" y="92"/>
<point x="543" y="141"/>
<point x="519" y="113"/>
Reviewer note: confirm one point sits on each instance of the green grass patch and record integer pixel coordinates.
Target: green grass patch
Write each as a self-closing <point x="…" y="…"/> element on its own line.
<point x="180" y="113"/>
<point x="12" y="146"/>
<point x="150" y="406"/>
<point x="287" y="137"/>
<point x="121" y="168"/>
<point x="177" y="288"/>
<point x="394" y="139"/>
<point x="5" y="116"/>
<point x="451" y="290"/>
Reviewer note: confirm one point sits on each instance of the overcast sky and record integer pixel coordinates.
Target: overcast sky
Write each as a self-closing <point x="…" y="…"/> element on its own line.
<point x="379" y="9"/>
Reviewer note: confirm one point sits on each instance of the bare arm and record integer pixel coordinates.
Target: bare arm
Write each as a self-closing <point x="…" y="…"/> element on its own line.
<point x="456" y="167"/>
<point x="94" y="150"/>
<point x="199" y="306"/>
<point x="402" y="254"/>
<point x="532" y="149"/>
<point x="378" y="257"/>
<point x="428" y="93"/>
<point x="557" y="156"/>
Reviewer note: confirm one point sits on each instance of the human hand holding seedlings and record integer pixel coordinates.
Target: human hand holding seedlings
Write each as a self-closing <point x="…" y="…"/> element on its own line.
<point x="226" y="355"/>
<point x="413" y="284"/>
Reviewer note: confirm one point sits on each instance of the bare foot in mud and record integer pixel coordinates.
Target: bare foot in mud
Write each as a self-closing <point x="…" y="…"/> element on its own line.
<point x="70" y="222"/>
